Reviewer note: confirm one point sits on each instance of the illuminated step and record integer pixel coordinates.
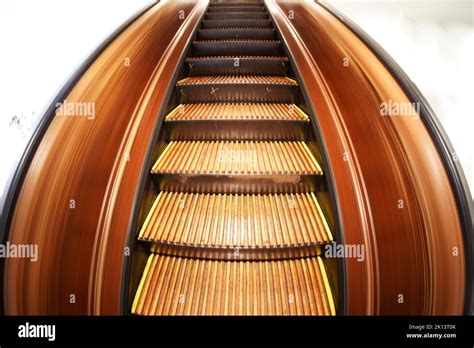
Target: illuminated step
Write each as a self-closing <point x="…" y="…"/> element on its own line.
<point x="237" y="121"/>
<point x="236" y="226"/>
<point x="183" y="286"/>
<point x="233" y="23"/>
<point x="237" y="158"/>
<point x="237" y="88"/>
<point x="240" y="80"/>
<point x="237" y="111"/>
<point x="237" y="65"/>
<point x="237" y="167"/>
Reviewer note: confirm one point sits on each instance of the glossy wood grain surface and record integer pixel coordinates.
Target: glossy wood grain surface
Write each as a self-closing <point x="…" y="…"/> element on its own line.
<point x="394" y="196"/>
<point x="77" y="197"/>
<point x="393" y="193"/>
<point x="217" y="287"/>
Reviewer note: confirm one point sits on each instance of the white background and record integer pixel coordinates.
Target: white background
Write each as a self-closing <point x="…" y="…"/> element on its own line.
<point x="42" y="42"/>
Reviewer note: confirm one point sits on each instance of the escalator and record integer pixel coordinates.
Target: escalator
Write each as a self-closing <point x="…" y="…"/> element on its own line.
<point x="237" y="227"/>
<point x="237" y="164"/>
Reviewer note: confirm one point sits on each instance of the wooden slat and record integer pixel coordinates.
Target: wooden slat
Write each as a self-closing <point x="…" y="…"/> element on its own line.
<point x="228" y="79"/>
<point x="184" y="286"/>
<point x="237" y="111"/>
<point x="236" y="221"/>
<point x="237" y="158"/>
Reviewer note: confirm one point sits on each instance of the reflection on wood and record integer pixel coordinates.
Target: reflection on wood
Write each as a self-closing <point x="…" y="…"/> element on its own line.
<point x="393" y="196"/>
<point x="181" y="286"/>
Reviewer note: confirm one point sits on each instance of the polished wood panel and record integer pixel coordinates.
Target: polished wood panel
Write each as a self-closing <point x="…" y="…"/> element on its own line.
<point x="393" y="193"/>
<point x="234" y="8"/>
<point x="237" y="23"/>
<point x="394" y="197"/>
<point x="237" y="121"/>
<point x="77" y="197"/>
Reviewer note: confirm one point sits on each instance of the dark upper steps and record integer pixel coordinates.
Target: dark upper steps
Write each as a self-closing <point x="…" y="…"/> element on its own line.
<point x="266" y="89"/>
<point x="237" y="167"/>
<point x="237" y="47"/>
<point x="237" y="121"/>
<point x="237" y="15"/>
<point x="237" y="33"/>
<point x="233" y="23"/>
<point x="214" y="9"/>
<point x="237" y="65"/>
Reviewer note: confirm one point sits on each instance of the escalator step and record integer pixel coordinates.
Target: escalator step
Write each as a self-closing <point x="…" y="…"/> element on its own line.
<point x="244" y="80"/>
<point x="241" y="8"/>
<point x="232" y="23"/>
<point x="236" y="4"/>
<point x="215" y="225"/>
<point x="237" y="121"/>
<point x="237" y="111"/>
<point x="237" y="47"/>
<point x="184" y="286"/>
<point x="237" y="33"/>
<point x="237" y="15"/>
<point x="237" y="65"/>
<point x="237" y="158"/>
<point x="237" y="89"/>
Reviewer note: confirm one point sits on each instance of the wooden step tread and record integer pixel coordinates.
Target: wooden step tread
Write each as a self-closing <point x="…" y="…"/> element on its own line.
<point x="237" y="15"/>
<point x="244" y="41"/>
<point x="236" y="221"/>
<point x="237" y="158"/>
<point x="217" y="9"/>
<point x="216" y="80"/>
<point x="237" y="111"/>
<point x="212" y="58"/>
<point x="250" y="29"/>
<point x="185" y="286"/>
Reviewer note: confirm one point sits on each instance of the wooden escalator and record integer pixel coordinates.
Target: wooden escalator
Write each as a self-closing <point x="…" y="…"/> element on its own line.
<point x="237" y="227"/>
<point x="231" y="145"/>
